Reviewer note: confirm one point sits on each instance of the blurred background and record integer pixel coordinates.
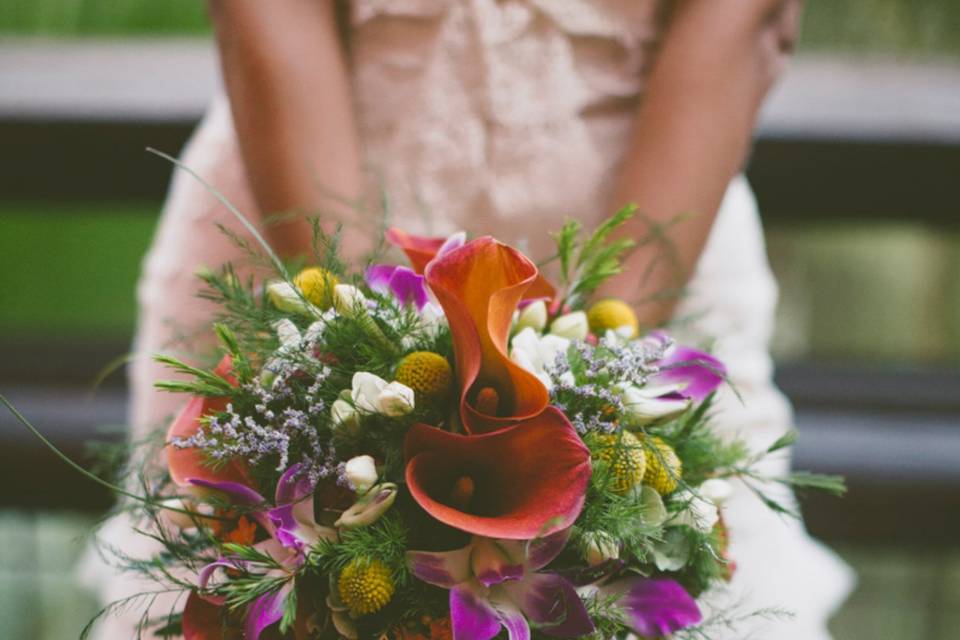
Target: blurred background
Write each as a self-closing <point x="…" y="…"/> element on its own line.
<point x="856" y="166"/>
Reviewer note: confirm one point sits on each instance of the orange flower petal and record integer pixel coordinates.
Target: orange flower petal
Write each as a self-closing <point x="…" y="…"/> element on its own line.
<point x="528" y="480"/>
<point x="185" y="464"/>
<point x="479" y="286"/>
<point x="420" y="250"/>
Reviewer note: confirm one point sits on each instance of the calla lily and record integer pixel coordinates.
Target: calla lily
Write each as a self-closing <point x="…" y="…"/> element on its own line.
<point x="514" y="483"/>
<point x="479" y="286"/>
<point x="498" y="584"/>
<point x="403" y="283"/>
<point x="186" y="464"/>
<point x="421" y="250"/>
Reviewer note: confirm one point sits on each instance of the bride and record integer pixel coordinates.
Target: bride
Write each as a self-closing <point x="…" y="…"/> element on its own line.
<point x="503" y="117"/>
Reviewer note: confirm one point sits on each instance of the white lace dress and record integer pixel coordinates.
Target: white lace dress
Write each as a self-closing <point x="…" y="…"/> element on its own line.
<point x="503" y="117"/>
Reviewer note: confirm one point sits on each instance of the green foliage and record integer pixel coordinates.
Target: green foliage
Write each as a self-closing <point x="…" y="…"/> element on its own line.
<point x="586" y="263"/>
<point x="384" y="540"/>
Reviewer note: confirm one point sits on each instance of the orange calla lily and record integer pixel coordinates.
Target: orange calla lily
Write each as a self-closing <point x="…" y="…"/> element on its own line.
<point x="421" y="250"/>
<point x="187" y="464"/>
<point x="518" y="483"/>
<point x="479" y="286"/>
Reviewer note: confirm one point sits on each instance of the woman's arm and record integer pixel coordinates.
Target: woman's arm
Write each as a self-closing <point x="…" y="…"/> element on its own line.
<point x="284" y="70"/>
<point x="692" y="133"/>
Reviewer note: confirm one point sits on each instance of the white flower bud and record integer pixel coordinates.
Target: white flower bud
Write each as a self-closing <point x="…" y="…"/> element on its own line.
<point x="348" y="300"/>
<point x="396" y="399"/>
<point x="701" y="513"/>
<point x="645" y="406"/>
<point x="370" y="507"/>
<point x="361" y="471"/>
<point x="343" y="413"/>
<point x="284" y="296"/>
<point x="716" y="490"/>
<point x="572" y="325"/>
<point x="287" y="333"/>
<point x="365" y="391"/>
<point x="601" y="547"/>
<point x="534" y="315"/>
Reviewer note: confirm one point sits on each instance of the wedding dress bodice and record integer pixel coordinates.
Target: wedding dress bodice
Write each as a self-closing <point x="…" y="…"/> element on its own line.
<point x="499" y="115"/>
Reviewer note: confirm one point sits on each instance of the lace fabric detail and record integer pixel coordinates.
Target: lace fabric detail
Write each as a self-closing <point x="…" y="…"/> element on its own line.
<point x="475" y="110"/>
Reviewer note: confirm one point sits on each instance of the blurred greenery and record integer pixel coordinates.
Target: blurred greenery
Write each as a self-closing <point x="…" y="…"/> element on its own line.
<point x="99" y="17"/>
<point x="71" y="267"/>
<point x="873" y="291"/>
<point x="916" y="27"/>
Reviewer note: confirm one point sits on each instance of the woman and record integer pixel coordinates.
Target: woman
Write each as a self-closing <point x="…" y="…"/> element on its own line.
<point x="504" y="116"/>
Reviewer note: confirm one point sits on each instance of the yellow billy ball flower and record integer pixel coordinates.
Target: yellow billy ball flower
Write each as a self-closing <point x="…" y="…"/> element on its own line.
<point x="365" y="586"/>
<point x="624" y="454"/>
<point x="612" y="314"/>
<point x="663" y="466"/>
<point x="317" y="285"/>
<point x="427" y="373"/>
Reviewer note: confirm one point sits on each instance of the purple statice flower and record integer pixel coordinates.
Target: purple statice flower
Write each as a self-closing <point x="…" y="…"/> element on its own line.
<point x="280" y="419"/>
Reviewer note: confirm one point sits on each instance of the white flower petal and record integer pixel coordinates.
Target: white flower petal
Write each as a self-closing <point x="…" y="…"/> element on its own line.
<point x="396" y="399"/>
<point x="572" y="325"/>
<point x="361" y="471"/>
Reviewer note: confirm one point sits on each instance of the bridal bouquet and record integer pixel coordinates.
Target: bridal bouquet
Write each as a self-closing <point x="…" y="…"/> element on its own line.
<point x="454" y="448"/>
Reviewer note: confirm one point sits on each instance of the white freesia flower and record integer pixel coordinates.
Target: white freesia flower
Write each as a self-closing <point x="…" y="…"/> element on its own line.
<point x="287" y="333"/>
<point x="702" y="511"/>
<point x="645" y="404"/>
<point x="343" y="413"/>
<point x="361" y="471"/>
<point x="601" y="547"/>
<point x="534" y="316"/>
<point x="372" y="394"/>
<point x="537" y="353"/>
<point x="571" y="325"/>
<point x="347" y="299"/>
<point x="716" y="490"/>
<point x="285" y="297"/>
<point x="396" y="399"/>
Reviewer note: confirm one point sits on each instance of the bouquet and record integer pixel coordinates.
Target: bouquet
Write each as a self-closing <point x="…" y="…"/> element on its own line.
<point x="453" y="448"/>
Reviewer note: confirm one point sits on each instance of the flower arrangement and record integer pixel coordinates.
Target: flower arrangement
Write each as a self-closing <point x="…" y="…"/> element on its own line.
<point x="451" y="449"/>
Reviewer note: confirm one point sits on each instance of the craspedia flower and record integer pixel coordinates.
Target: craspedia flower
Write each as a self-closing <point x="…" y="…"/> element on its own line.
<point x="317" y="285"/>
<point x="365" y="586"/>
<point x="613" y="314"/>
<point x="625" y="456"/>
<point x="427" y="373"/>
<point x="663" y="466"/>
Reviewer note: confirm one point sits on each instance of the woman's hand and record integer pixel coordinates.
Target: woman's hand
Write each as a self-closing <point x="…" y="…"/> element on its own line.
<point x="284" y="70"/>
<point x="718" y="60"/>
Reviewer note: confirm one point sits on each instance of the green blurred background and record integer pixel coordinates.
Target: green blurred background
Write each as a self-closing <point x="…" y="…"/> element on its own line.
<point x="873" y="292"/>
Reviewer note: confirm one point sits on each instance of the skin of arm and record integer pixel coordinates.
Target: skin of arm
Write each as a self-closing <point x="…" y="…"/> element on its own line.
<point x="718" y="60"/>
<point x="296" y="126"/>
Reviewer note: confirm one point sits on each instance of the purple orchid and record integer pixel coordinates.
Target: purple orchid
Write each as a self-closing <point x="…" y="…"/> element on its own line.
<point x="684" y="376"/>
<point x="292" y="529"/>
<point x="651" y="607"/>
<point x="498" y="583"/>
<point x="403" y="283"/>
<point x="695" y="374"/>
